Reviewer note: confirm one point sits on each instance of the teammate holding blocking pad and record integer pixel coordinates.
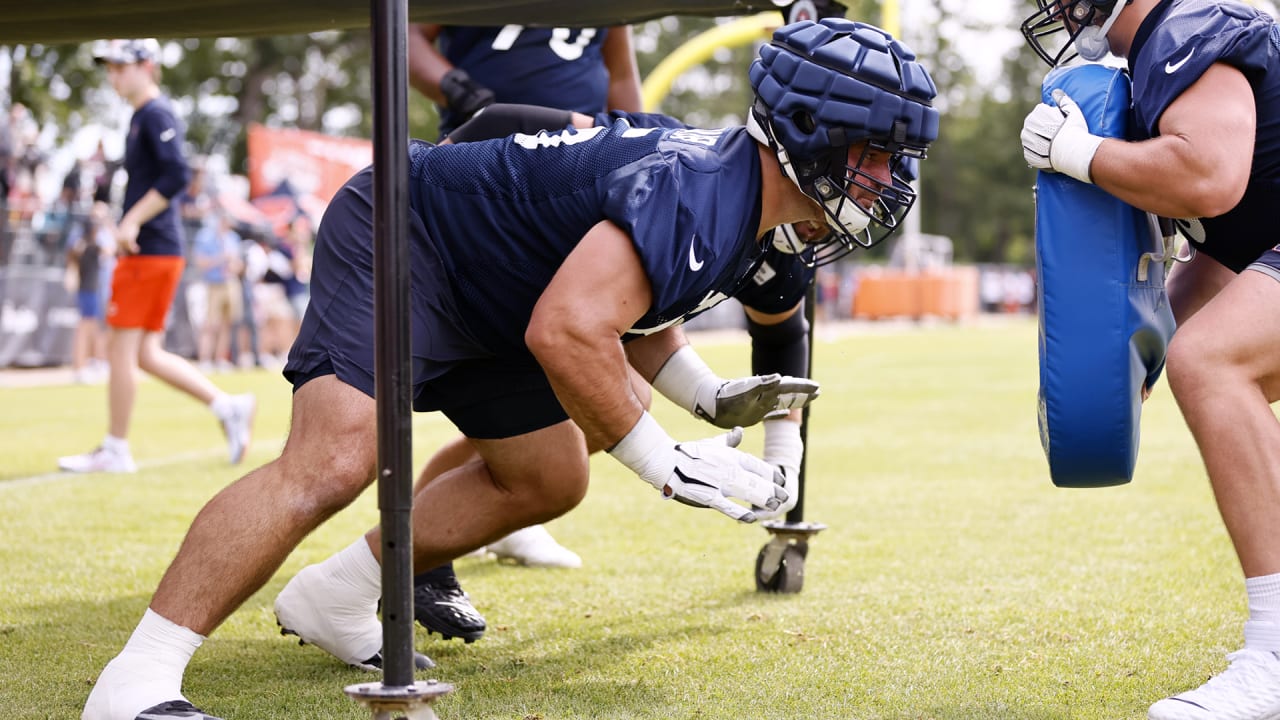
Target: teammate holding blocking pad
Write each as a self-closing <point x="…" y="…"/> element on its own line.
<point x="595" y="234"/>
<point x="1206" y="102"/>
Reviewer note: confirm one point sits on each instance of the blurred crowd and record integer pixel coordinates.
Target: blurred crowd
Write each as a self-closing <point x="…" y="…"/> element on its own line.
<point x="245" y="286"/>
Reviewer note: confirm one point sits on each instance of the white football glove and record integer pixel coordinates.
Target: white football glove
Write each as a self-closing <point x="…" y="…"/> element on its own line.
<point x="1058" y="138"/>
<point x="783" y="449"/>
<point x="687" y="381"/>
<point x="703" y="473"/>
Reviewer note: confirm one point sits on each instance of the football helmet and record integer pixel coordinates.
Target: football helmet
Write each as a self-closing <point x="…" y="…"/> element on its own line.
<point x="824" y="87"/>
<point x="1061" y="29"/>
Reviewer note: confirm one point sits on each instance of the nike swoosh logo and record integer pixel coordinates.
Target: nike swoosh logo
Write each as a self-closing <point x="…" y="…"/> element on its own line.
<point x="1171" y="67"/>
<point x="694" y="263"/>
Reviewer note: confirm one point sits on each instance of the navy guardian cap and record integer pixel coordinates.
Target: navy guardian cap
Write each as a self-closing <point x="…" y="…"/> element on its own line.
<point x="821" y="87"/>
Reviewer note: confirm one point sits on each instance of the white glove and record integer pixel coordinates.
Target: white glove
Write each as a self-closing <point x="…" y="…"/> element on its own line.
<point x="687" y="381"/>
<point x="784" y="449"/>
<point x="703" y="473"/>
<point x="1058" y="138"/>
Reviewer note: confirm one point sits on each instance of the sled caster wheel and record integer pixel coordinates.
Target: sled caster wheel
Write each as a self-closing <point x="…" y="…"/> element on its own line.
<point x="780" y="564"/>
<point x="784" y="576"/>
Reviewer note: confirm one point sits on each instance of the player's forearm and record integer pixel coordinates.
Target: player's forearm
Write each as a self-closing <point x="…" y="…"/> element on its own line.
<point x="588" y="371"/>
<point x="649" y="353"/>
<point x="426" y="65"/>
<point x="148" y="206"/>
<point x="1164" y="175"/>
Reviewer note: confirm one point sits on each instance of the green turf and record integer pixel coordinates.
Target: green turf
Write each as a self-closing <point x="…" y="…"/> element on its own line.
<point x="954" y="581"/>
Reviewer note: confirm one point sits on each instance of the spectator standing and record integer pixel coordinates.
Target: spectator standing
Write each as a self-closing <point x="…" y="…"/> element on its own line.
<point x="277" y="321"/>
<point x="253" y="266"/>
<point x="88" y="253"/>
<point x="216" y="252"/>
<point x="149" y="242"/>
<point x="195" y="202"/>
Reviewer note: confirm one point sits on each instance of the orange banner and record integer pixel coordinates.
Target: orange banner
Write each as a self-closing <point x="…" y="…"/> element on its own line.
<point x="313" y="163"/>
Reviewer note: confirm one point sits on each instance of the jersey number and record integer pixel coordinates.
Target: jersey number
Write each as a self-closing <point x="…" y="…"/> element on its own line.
<point x="559" y="42"/>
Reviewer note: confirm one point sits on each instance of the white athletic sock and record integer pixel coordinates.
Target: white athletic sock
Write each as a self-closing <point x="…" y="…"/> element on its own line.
<point x="119" y="446"/>
<point x="356" y="566"/>
<point x="221" y="405"/>
<point x="1262" y="632"/>
<point x="147" y="672"/>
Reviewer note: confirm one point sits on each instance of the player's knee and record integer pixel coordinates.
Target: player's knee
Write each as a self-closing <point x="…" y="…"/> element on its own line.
<point x="1189" y="366"/>
<point x="326" y="478"/>
<point x="551" y="490"/>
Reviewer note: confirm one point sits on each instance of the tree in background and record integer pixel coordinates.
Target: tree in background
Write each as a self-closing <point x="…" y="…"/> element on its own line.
<point x="976" y="187"/>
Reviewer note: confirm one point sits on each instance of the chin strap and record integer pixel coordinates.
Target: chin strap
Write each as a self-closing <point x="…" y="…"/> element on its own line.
<point x="839" y="209"/>
<point x="1091" y="42"/>
<point x="764" y="135"/>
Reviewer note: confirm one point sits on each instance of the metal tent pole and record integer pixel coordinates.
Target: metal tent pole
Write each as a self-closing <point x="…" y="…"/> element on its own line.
<point x="780" y="563"/>
<point x="398" y="692"/>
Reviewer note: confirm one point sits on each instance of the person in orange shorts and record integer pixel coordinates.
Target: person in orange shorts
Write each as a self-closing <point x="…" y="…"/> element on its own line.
<point x="150" y="248"/>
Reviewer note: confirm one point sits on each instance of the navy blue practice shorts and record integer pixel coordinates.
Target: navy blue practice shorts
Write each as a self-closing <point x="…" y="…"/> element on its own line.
<point x="1268" y="263"/>
<point x="486" y="397"/>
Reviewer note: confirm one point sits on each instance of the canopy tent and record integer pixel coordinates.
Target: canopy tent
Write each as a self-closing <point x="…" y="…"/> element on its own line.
<point x="64" y="21"/>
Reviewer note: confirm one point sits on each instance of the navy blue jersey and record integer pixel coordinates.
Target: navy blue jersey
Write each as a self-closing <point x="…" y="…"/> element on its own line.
<point x="780" y="280"/>
<point x="778" y="284"/>
<point x="153" y="158"/>
<point x="561" y="68"/>
<point x="1177" y="42"/>
<point x="689" y="199"/>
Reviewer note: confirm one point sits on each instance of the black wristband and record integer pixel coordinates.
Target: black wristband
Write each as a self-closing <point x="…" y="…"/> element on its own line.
<point x="463" y="95"/>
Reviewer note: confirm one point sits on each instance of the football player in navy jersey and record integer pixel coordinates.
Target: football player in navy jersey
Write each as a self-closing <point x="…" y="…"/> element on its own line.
<point x="464" y="69"/>
<point x="1206" y="106"/>
<point x="780" y="357"/>
<point x="594" y="236"/>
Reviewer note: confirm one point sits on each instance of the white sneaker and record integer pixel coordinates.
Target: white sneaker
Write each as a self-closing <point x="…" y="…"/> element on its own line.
<point x="1249" y="689"/>
<point x="312" y="607"/>
<point x="238" y="425"/>
<point x="534" y="546"/>
<point x="99" y="459"/>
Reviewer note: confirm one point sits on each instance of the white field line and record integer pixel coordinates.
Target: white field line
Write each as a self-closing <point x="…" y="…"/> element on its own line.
<point x="179" y="458"/>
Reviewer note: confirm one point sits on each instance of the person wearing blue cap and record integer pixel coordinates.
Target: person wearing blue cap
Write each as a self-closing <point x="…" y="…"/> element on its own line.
<point x="149" y="243"/>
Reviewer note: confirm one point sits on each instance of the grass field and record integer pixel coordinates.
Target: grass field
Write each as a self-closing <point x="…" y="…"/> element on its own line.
<point x="954" y="581"/>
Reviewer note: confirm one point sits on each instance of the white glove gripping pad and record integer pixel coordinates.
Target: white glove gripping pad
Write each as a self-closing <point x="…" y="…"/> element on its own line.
<point x="784" y="449"/>
<point x="687" y="381"/>
<point x="1058" y="138"/>
<point x="702" y="473"/>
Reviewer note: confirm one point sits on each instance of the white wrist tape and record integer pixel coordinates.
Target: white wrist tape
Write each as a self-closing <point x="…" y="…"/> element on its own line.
<point x="683" y="376"/>
<point x="646" y="450"/>
<point x="782" y="443"/>
<point x="1072" y="154"/>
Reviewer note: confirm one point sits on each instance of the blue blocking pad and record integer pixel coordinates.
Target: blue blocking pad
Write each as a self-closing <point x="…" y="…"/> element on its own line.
<point x="1105" y="320"/>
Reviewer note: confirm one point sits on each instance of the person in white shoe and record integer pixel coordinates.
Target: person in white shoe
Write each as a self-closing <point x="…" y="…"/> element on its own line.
<point x="604" y="240"/>
<point x="151" y="250"/>
<point x="464" y="69"/>
<point x="1206" y="109"/>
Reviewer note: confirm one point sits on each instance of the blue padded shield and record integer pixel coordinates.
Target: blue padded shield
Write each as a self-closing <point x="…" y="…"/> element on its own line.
<point x="1103" y="330"/>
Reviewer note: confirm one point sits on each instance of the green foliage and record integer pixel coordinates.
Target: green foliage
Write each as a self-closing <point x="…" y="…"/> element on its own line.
<point x="953" y="581"/>
<point x="974" y="189"/>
